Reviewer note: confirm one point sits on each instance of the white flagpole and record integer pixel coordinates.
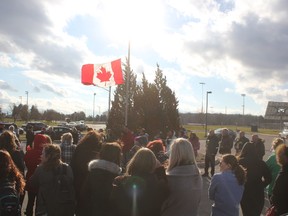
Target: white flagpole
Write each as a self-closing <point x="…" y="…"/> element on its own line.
<point x="109" y="101"/>
<point x="127" y="87"/>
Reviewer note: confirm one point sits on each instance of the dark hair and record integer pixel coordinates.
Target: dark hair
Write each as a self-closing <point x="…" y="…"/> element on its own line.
<point x="8" y="170"/>
<point x="53" y="155"/>
<point x="111" y="152"/>
<point x="248" y="151"/>
<point x="7" y="141"/>
<point x="237" y="169"/>
<point x="194" y="134"/>
<point x="92" y="139"/>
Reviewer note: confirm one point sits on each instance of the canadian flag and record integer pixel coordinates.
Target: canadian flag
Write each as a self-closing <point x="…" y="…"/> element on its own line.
<point x="103" y="75"/>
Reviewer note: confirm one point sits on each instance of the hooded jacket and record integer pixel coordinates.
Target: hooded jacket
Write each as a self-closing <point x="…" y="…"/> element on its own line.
<point x="185" y="184"/>
<point x="95" y="194"/>
<point x="32" y="158"/>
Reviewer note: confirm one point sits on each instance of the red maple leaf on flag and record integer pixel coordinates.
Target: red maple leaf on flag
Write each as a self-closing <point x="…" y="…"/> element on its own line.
<point x="104" y="75"/>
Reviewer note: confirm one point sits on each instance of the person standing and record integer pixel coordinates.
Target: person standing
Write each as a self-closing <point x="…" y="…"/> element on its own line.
<point x="258" y="177"/>
<point x="259" y="145"/>
<point x="51" y="133"/>
<point x="143" y="137"/>
<point x="127" y="139"/>
<point x="17" y="141"/>
<point x="226" y="188"/>
<point x="240" y="142"/>
<point x="67" y="148"/>
<point x="29" y="136"/>
<point x="32" y="159"/>
<point x="157" y="147"/>
<point x="7" y="142"/>
<point x="272" y="164"/>
<point x="48" y="203"/>
<point x="226" y="142"/>
<point x="142" y="189"/>
<point x="11" y="181"/>
<point x="169" y="140"/>
<point x="87" y="149"/>
<point x="1" y="128"/>
<point x="280" y="190"/>
<point x="76" y="135"/>
<point x="98" y="185"/>
<point x="194" y="140"/>
<point x="212" y="144"/>
<point x="184" y="181"/>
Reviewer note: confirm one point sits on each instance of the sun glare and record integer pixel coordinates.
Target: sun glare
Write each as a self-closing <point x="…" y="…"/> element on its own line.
<point x="140" y="21"/>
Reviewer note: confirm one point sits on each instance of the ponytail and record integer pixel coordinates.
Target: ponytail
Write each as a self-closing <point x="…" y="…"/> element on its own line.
<point x="240" y="174"/>
<point x="238" y="170"/>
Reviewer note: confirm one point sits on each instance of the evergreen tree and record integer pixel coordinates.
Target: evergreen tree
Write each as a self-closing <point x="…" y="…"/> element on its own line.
<point x="24" y="112"/>
<point x="1" y="114"/>
<point x="34" y="113"/>
<point x="152" y="106"/>
<point x="116" y="118"/>
<point x="148" y="107"/>
<point x="16" y="110"/>
<point x="168" y="101"/>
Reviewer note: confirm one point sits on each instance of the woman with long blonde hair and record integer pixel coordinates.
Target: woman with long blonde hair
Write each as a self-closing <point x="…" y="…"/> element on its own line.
<point x="143" y="188"/>
<point x="184" y="181"/>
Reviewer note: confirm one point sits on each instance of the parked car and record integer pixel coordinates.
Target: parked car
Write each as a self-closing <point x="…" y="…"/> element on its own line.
<point x="231" y="133"/>
<point x="6" y="126"/>
<point x="284" y="133"/>
<point x="58" y="131"/>
<point x="81" y="126"/>
<point x="37" y="126"/>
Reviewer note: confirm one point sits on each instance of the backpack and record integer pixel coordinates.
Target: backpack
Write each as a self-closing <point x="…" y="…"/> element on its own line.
<point x="64" y="188"/>
<point x="64" y="192"/>
<point x="9" y="200"/>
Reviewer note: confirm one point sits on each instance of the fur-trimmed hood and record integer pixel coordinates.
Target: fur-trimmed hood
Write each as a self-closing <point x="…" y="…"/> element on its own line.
<point x="105" y="165"/>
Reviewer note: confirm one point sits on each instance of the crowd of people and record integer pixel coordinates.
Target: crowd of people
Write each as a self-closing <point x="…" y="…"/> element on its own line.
<point x="134" y="175"/>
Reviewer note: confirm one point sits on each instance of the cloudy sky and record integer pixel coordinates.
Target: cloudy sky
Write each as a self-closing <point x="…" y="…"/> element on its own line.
<point x="234" y="47"/>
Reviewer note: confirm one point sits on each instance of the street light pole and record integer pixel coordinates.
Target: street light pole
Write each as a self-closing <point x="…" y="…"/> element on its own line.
<point x="202" y="83"/>
<point x="27" y="97"/>
<point x="27" y="106"/>
<point x="243" y="95"/>
<point x="208" y="92"/>
<point x="93" y="105"/>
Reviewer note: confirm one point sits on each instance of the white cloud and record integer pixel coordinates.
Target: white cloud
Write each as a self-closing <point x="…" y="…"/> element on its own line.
<point x="241" y="42"/>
